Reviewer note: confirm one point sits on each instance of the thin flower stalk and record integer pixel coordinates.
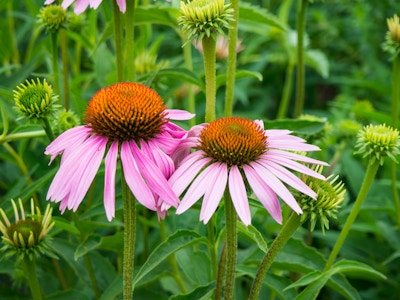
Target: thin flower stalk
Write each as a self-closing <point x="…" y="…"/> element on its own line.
<point x="118" y="38"/>
<point x="209" y="48"/>
<point x="129" y="40"/>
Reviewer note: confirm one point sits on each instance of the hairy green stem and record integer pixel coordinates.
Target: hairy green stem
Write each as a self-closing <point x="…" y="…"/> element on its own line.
<point x="212" y="246"/>
<point x="209" y="48"/>
<point x="30" y="273"/>
<point x="231" y="69"/>
<point x="231" y="245"/>
<point x="220" y="275"/>
<point x="172" y="261"/>
<point x="55" y="63"/>
<point x="191" y="101"/>
<point x="64" y="58"/>
<point x="129" y="40"/>
<point x="129" y="239"/>
<point x="367" y="182"/>
<point x="395" y="124"/>
<point x="300" y="27"/>
<point x="284" y="235"/>
<point x="118" y="42"/>
<point x="287" y="90"/>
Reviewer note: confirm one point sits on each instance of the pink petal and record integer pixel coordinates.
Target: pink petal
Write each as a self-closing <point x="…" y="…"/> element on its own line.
<point x="134" y="180"/>
<point x="277" y="132"/>
<point x="122" y="5"/>
<point x="154" y="177"/>
<point x="47" y="2"/>
<point x="237" y="190"/>
<point x="80" y="6"/>
<point x="66" y="3"/>
<point x="264" y="194"/>
<point x="289" y="178"/>
<point x="177" y="114"/>
<point x="109" y="180"/>
<point x="197" y="189"/>
<point x="160" y="158"/>
<point x="277" y="186"/>
<point x="294" y="156"/>
<point x="95" y="3"/>
<point x="214" y="193"/>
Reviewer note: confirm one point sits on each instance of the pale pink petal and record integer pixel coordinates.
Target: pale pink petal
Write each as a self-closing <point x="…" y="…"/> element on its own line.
<point x="293" y="165"/>
<point x="184" y="175"/>
<point x="153" y="176"/>
<point x="214" y="193"/>
<point x="109" y="180"/>
<point x="277" y="132"/>
<point x="259" y="123"/>
<point x="197" y="189"/>
<point x="177" y="114"/>
<point x="95" y="3"/>
<point x="277" y="186"/>
<point x="122" y="5"/>
<point x="160" y="158"/>
<point x="134" y="180"/>
<point x="66" y="3"/>
<point x="47" y="2"/>
<point x="264" y="194"/>
<point x="288" y="177"/>
<point x="80" y="6"/>
<point x="294" y="156"/>
<point x="237" y="190"/>
<point x="290" y="142"/>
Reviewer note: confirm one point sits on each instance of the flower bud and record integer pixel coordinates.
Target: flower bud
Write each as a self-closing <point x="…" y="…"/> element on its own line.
<point x="52" y="18"/>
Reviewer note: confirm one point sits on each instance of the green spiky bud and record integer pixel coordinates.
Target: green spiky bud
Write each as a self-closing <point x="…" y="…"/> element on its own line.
<point x="330" y="195"/>
<point x="204" y="18"/>
<point x="392" y="39"/>
<point x="35" y="100"/>
<point x="52" y="18"/>
<point x="65" y="120"/>
<point x="377" y="142"/>
<point x="26" y="236"/>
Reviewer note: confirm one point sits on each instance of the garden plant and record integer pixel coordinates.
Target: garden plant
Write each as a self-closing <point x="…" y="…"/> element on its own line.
<point x="199" y="149"/>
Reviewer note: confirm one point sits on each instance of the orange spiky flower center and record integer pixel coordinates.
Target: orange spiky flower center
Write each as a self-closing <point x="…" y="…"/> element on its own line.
<point x="234" y="141"/>
<point x="126" y="111"/>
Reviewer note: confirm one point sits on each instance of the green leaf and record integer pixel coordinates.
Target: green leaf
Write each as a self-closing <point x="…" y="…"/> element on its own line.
<point x="297" y="126"/>
<point x="261" y="16"/>
<point x="91" y="243"/>
<point x="318" y="61"/>
<point x="357" y="269"/>
<point x="156" y="15"/>
<point x="67" y="295"/>
<point x="175" y="242"/>
<point x="64" y="224"/>
<point x="181" y="74"/>
<point x="113" y="290"/>
<point x="340" y="284"/>
<point x="252" y="232"/>
<point x="203" y="292"/>
<point x="221" y="79"/>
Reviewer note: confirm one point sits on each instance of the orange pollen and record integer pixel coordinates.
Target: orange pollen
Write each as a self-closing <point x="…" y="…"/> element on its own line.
<point x="126" y="111"/>
<point x="234" y="141"/>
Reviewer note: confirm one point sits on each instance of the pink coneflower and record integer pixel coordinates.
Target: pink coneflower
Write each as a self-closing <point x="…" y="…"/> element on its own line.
<point x="129" y="119"/>
<point x="81" y="5"/>
<point x="234" y="153"/>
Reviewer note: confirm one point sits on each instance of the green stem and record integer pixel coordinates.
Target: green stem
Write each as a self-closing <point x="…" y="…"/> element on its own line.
<point x="118" y="42"/>
<point x="368" y="179"/>
<point x="64" y="58"/>
<point x="191" y="101"/>
<point x="129" y="239"/>
<point x="55" y="63"/>
<point x="92" y="276"/>
<point x="285" y="234"/>
<point x="209" y="47"/>
<point x="21" y="135"/>
<point x="220" y="275"/>
<point x="129" y="40"/>
<point x="212" y="246"/>
<point x="172" y="261"/>
<point x="231" y="69"/>
<point x="301" y="27"/>
<point x="30" y="272"/>
<point x="11" y="30"/>
<point x="47" y="128"/>
<point x="395" y="124"/>
<point x="287" y="90"/>
<point x="231" y="245"/>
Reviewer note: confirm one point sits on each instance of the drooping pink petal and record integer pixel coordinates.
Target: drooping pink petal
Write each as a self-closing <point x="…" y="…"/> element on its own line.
<point x="264" y="194"/>
<point x="80" y="6"/>
<point x="47" y="2"/>
<point x="109" y="180"/>
<point x="293" y="165"/>
<point x="177" y="114"/>
<point x="95" y="3"/>
<point x="122" y="5"/>
<point x="277" y="186"/>
<point x="66" y="3"/>
<point x="153" y="176"/>
<point x="277" y="132"/>
<point x="294" y="156"/>
<point x="237" y="190"/>
<point x="134" y="180"/>
<point x="290" y="142"/>
<point x="185" y="174"/>
<point x="289" y="178"/>
<point x="162" y="160"/>
<point x="197" y="189"/>
<point x="214" y="193"/>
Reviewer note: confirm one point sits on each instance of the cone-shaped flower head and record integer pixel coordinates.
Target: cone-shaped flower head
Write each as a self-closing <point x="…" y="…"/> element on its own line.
<point x="35" y="100"/>
<point x="26" y="236"/>
<point x="126" y="118"/>
<point x="52" y="18"/>
<point x="378" y="141"/>
<point x="233" y="153"/>
<point x="81" y="5"/>
<point x="202" y="18"/>
<point x="330" y="195"/>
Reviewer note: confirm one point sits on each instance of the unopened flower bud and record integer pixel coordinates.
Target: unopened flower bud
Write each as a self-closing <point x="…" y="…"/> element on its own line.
<point x="52" y="18"/>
